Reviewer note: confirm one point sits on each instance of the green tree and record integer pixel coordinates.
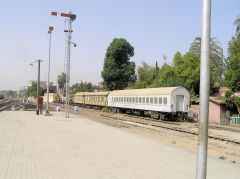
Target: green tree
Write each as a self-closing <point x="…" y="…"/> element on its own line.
<point x="165" y="72"/>
<point x="237" y="23"/>
<point x="144" y="75"/>
<point x="118" y="71"/>
<point x="216" y="57"/>
<point x="232" y="74"/>
<point x="32" y="91"/>
<point x="81" y="87"/>
<point x="61" y="81"/>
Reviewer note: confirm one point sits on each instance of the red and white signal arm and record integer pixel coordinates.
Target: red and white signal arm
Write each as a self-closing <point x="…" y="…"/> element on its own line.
<point x="71" y="16"/>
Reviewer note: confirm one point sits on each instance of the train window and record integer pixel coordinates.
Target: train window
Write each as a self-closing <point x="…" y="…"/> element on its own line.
<point x="165" y="100"/>
<point x="140" y="101"/>
<point x="151" y="100"/>
<point x="155" y="100"/>
<point x="129" y="99"/>
<point x="136" y="99"/>
<point x="133" y="99"/>
<point x="147" y="100"/>
<point x="125" y="100"/>
<point x="143" y="100"/>
<point x="160" y="101"/>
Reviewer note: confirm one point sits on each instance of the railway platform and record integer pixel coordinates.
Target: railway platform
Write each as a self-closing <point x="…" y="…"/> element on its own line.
<point x="52" y="147"/>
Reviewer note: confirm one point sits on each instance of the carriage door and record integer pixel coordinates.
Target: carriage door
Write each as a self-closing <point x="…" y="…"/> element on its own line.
<point x="179" y="102"/>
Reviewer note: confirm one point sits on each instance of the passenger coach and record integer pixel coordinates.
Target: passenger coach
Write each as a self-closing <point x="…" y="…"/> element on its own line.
<point x="160" y="102"/>
<point x="92" y="99"/>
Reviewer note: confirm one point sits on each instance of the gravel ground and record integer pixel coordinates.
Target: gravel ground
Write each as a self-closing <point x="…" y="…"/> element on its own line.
<point x="216" y="148"/>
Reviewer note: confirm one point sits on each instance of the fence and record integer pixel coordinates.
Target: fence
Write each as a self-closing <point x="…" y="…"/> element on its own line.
<point x="235" y="119"/>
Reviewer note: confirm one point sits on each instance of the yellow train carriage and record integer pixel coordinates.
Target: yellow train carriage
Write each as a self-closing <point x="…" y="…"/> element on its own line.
<point x="96" y="98"/>
<point x="78" y="98"/>
<point x="52" y="97"/>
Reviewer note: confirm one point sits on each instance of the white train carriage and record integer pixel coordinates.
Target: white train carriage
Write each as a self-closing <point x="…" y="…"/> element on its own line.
<point x="160" y="101"/>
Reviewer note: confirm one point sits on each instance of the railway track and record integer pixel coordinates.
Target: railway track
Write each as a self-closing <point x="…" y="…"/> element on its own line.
<point x="7" y="104"/>
<point x="167" y="126"/>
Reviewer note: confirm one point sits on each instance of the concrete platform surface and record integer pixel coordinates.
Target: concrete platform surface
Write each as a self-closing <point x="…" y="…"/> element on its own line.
<point x="54" y="147"/>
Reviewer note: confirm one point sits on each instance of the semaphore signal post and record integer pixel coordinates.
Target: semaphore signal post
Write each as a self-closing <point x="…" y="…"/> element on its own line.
<point x="71" y="17"/>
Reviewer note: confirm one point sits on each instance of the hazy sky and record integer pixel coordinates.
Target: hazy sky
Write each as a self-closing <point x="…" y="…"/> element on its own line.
<point x="153" y="27"/>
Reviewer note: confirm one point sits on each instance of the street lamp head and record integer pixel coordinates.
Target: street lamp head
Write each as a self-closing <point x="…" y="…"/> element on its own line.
<point x="74" y="44"/>
<point x="50" y="29"/>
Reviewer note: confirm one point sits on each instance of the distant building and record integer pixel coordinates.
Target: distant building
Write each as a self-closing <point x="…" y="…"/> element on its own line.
<point x="43" y="84"/>
<point x="217" y="110"/>
<point x="98" y="88"/>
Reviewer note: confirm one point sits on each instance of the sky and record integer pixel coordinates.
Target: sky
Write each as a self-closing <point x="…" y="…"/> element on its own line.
<point x="153" y="27"/>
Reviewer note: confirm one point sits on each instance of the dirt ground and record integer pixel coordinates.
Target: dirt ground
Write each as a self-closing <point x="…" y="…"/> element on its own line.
<point x="216" y="148"/>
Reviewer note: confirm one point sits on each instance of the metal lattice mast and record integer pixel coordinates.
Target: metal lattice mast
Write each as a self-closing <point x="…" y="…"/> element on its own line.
<point x="69" y="36"/>
<point x="71" y="17"/>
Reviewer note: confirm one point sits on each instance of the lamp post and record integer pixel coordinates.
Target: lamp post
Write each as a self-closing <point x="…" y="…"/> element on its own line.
<point x="49" y="53"/>
<point x="204" y="91"/>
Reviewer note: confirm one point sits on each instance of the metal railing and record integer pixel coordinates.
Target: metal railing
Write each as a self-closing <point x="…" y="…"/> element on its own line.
<point x="235" y="119"/>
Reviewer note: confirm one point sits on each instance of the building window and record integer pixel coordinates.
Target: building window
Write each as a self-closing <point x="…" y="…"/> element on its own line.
<point x="165" y="100"/>
<point x="155" y="100"/>
<point x="143" y="100"/>
<point x="140" y="101"/>
<point x="136" y="99"/>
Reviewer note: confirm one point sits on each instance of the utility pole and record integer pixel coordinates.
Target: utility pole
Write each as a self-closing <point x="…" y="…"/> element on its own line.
<point x="204" y="91"/>
<point x="38" y="84"/>
<point x="156" y="73"/>
<point x="71" y="17"/>
<point x="50" y="34"/>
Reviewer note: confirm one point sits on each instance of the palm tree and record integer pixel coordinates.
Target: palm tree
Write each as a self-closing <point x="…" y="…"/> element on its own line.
<point x="61" y="81"/>
<point x="237" y="23"/>
<point x="216" y="56"/>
